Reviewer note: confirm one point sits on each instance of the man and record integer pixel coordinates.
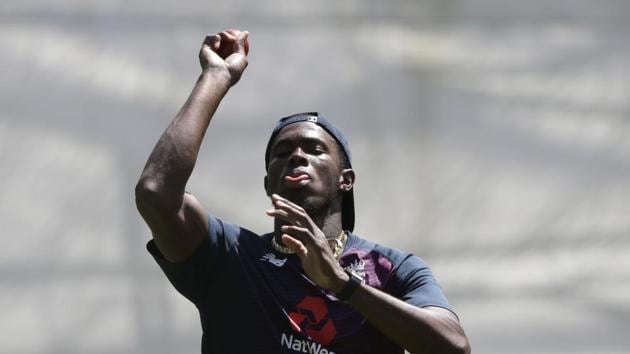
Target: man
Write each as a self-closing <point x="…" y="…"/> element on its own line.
<point x="310" y="286"/>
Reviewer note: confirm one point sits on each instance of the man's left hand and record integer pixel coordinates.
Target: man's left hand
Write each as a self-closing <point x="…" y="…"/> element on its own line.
<point x="301" y="235"/>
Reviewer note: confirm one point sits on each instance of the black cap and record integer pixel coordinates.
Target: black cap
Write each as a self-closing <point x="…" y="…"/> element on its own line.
<point x="347" y="206"/>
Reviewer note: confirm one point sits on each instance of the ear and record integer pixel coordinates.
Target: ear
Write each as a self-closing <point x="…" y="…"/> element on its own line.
<point x="346" y="180"/>
<point x="266" y="184"/>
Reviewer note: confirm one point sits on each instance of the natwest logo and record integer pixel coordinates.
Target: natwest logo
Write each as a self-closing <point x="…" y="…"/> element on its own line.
<point x="311" y="317"/>
<point x="302" y="345"/>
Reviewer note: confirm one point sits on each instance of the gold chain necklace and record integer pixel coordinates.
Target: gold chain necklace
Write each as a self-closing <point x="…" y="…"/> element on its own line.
<point x="336" y="245"/>
<point x="339" y="243"/>
<point x="276" y="246"/>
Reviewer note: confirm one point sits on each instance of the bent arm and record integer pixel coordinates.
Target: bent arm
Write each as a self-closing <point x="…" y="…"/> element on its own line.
<point x="419" y="330"/>
<point x="177" y="220"/>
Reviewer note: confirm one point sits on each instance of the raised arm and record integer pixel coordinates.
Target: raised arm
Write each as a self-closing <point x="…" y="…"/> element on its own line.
<point x="177" y="220"/>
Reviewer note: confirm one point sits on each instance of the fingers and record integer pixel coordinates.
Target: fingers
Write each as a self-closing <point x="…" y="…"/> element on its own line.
<point x="229" y="41"/>
<point x="227" y="36"/>
<point x="277" y="200"/>
<point x="242" y="43"/>
<point x="288" y="211"/>
<point x="280" y="214"/>
<point x="213" y="41"/>
<point x="299" y="225"/>
<point x="236" y="40"/>
<point x="294" y="244"/>
<point x="286" y="216"/>
<point x="300" y="233"/>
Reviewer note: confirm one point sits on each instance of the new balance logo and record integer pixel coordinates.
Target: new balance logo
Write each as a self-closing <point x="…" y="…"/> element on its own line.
<point x="271" y="258"/>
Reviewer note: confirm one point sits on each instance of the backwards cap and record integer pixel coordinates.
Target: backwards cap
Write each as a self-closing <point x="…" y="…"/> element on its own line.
<point x="347" y="203"/>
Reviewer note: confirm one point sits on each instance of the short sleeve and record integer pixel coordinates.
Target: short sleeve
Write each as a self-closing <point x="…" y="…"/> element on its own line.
<point x="415" y="284"/>
<point x="193" y="276"/>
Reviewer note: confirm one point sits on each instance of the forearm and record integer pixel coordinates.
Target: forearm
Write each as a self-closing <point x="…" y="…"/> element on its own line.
<point x="418" y="330"/>
<point x="173" y="158"/>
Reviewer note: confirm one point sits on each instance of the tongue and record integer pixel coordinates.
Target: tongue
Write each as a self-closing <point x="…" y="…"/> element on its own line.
<point x="295" y="178"/>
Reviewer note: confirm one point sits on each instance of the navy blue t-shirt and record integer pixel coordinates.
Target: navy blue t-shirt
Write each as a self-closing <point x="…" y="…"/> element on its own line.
<point x="252" y="299"/>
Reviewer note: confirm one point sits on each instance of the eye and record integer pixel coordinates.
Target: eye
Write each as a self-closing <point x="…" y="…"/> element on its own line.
<point x="281" y="152"/>
<point x="319" y="149"/>
<point x="315" y="148"/>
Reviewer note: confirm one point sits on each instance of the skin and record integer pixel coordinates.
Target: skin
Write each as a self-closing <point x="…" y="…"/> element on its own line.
<point x="308" y="148"/>
<point x="177" y="220"/>
<point x="305" y="217"/>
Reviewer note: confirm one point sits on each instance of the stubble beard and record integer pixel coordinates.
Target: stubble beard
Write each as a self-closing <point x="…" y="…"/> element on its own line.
<point x="319" y="207"/>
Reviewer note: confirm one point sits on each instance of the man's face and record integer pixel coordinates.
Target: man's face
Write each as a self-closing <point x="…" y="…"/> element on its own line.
<point x="304" y="166"/>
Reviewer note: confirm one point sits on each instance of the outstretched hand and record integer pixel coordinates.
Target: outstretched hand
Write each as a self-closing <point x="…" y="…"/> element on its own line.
<point x="225" y="53"/>
<point x="309" y="243"/>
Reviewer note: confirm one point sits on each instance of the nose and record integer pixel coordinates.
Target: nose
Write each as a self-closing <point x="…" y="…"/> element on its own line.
<point x="297" y="157"/>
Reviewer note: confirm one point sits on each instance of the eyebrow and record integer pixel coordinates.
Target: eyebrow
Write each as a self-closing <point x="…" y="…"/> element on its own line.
<point x="308" y="139"/>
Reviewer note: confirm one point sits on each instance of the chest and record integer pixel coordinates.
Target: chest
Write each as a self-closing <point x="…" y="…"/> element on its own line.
<point x="274" y="302"/>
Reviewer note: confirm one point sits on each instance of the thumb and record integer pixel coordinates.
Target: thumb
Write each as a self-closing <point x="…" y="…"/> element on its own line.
<point x="242" y="44"/>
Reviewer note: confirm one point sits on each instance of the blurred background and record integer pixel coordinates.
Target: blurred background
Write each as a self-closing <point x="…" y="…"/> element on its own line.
<point x="491" y="138"/>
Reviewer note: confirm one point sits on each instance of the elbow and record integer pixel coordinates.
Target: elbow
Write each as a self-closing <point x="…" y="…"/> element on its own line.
<point x="152" y="196"/>
<point x="146" y="189"/>
<point x="145" y="192"/>
<point x="461" y="345"/>
<point x="455" y="343"/>
<point x="149" y="195"/>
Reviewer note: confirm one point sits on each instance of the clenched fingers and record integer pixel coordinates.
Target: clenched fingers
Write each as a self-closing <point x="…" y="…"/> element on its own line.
<point x="212" y="41"/>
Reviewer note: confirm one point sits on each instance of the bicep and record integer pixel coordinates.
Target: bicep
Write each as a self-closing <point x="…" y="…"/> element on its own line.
<point x="178" y="232"/>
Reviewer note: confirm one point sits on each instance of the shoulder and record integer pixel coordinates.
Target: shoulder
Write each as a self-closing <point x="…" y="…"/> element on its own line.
<point x="394" y="257"/>
<point x="399" y="273"/>
<point x="227" y="234"/>
<point x="376" y="263"/>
